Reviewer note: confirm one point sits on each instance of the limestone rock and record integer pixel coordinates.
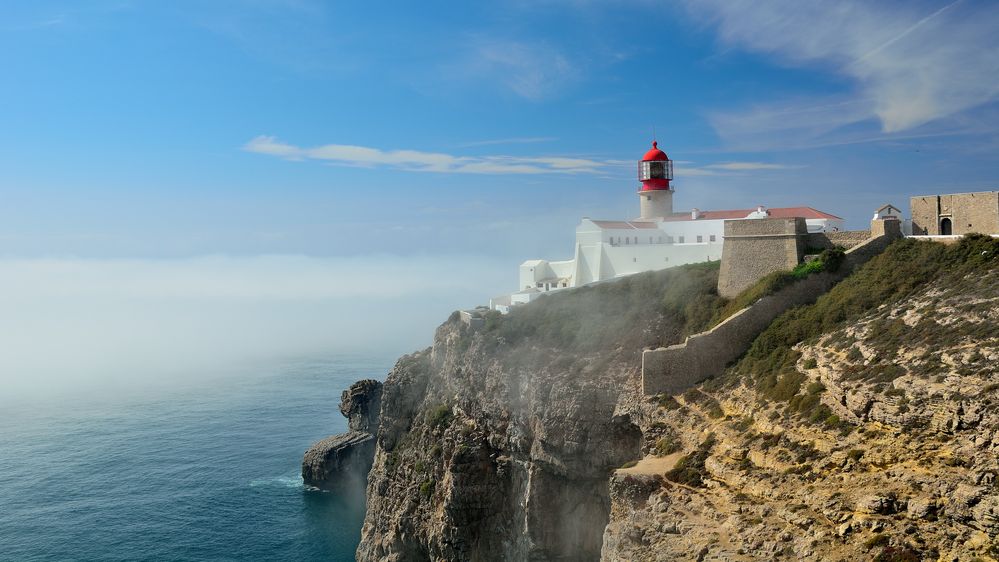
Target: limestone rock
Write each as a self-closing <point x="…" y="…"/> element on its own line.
<point x="340" y="462"/>
<point x="361" y="403"/>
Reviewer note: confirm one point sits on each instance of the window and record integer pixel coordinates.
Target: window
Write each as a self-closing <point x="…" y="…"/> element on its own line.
<point x="700" y="239"/>
<point x="660" y="239"/>
<point x="669" y="239"/>
<point x="681" y="240"/>
<point x="712" y="238"/>
<point x="564" y="284"/>
<point x="540" y="284"/>
<point x="650" y="239"/>
<point x="634" y="260"/>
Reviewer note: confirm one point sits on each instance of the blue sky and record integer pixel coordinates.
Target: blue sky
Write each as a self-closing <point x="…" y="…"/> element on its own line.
<point x="165" y="129"/>
<point x="144" y="141"/>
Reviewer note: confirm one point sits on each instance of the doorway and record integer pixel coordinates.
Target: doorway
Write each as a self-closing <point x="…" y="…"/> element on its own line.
<point x="945" y="227"/>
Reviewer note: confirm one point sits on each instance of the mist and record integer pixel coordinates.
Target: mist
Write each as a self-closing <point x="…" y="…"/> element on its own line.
<point x="73" y="326"/>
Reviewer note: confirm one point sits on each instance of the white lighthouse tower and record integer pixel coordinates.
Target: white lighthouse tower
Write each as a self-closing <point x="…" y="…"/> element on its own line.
<point x="655" y="171"/>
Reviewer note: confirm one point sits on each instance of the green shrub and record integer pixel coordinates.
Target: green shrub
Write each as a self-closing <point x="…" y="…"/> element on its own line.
<point x="427" y="489"/>
<point x="689" y="470"/>
<point x="667" y="446"/>
<point x="440" y="416"/>
<point x="876" y="541"/>
<point x="811" y="363"/>
<point x="898" y="554"/>
<point x="606" y="316"/>
<point x="854" y="454"/>
<point x="629" y="464"/>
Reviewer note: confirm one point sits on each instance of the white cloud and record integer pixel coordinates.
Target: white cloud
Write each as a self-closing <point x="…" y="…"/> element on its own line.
<point x="750" y="166"/>
<point x="910" y="66"/>
<point x="515" y="140"/>
<point x="728" y="168"/>
<point x="418" y="161"/>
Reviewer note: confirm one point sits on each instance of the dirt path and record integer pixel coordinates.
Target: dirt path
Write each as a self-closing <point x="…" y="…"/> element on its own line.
<point x="653" y="465"/>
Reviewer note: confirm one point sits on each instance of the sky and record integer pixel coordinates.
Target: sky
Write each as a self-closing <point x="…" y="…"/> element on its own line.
<point x="250" y="144"/>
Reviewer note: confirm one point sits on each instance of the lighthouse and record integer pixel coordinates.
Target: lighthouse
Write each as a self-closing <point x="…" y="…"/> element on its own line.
<point x="655" y="171"/>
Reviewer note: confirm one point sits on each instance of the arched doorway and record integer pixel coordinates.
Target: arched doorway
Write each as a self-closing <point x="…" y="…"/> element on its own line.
<point x="945" y="228"/>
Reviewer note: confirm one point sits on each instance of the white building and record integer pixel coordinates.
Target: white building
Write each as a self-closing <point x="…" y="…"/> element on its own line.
<point x="657" y="239"/>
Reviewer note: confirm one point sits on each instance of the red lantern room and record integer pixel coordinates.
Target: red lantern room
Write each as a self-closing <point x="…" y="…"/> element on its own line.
<point x="655" y="170"/>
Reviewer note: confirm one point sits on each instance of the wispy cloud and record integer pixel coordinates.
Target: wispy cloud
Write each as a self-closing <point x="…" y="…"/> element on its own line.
<point x="729" y="168"/>
<point x="909" y="67"/>
<point x="750" y="166"/>
<point x="419" y="161"/>
<point x="529" y="69"/>
<point x="515" y="140"/>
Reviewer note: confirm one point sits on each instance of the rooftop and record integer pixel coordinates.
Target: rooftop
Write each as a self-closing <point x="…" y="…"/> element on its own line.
<point x="776" y="213"/>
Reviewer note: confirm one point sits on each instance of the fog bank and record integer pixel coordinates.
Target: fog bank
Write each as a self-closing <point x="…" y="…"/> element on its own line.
<point x="71" y="325"/>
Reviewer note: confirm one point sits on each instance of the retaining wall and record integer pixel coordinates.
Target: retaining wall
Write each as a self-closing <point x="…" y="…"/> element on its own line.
<point x="676" y="368"/>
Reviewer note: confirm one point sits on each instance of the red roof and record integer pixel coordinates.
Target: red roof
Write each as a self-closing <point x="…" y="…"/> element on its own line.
<point x="654" y="154"/>
<point x="777" y="213"/>
<point x="617" y="225"/>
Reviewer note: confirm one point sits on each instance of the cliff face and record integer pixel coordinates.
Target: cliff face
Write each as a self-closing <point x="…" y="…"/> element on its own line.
<point x="497" y="444"/>
<point x="477" y="460"/>
<point x="863" y="426"/>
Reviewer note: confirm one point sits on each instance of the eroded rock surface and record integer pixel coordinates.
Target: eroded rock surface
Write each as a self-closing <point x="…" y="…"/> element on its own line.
<point x="342" y="462"/>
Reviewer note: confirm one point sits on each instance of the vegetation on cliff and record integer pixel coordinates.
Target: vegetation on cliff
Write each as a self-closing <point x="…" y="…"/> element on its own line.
<point x="633" y="313"/>
<point x="864" y="426"/>
<point x="903" y="268"/>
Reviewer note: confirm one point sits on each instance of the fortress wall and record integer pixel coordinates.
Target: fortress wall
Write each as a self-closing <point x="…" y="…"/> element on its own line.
<point x="754" y="248"/>
<point x="676" y="368"/>
<point x="969" y="212"/>
<point x="829" y="240"/>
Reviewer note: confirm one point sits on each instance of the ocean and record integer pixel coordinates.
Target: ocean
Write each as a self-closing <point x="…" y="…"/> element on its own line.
<point x="205" y="470"/>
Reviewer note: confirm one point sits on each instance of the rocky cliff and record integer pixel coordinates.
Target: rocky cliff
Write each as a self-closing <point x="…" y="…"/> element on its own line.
<point x="863" y="426"/>
<point x="342" y="462"/>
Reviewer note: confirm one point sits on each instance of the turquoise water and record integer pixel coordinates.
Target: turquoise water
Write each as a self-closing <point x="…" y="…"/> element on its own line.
<point x="205" y="472"/>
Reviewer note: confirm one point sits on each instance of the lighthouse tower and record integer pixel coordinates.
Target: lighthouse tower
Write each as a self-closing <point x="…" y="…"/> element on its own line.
<point x="655" y="171"/>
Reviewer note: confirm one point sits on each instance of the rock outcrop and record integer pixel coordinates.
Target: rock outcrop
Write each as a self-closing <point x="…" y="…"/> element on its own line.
<point x="342" y="462"/>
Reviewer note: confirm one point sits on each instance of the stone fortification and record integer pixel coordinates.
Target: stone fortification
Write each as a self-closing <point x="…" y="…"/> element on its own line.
<point x="755" y="247"/>
<point x="845" y="239"/>
<point x="964" y="213"/>
<point x="674" y="369"/>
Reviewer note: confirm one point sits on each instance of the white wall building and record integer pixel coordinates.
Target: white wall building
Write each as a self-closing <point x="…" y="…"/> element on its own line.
<point x="659" y="238"/>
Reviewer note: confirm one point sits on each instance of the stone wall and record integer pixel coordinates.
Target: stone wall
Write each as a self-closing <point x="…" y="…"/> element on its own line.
<point x="756" y="247"/>
<point x="968" y="212"/>
<point x="674" y="369"/>
<point x="845" y="238"/>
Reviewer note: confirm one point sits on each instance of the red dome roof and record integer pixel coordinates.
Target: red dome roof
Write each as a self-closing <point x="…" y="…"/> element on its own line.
<point x="654" y="154"/>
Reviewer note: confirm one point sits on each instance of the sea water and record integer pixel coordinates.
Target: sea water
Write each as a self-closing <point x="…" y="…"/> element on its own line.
<point x="203" y="471"/>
